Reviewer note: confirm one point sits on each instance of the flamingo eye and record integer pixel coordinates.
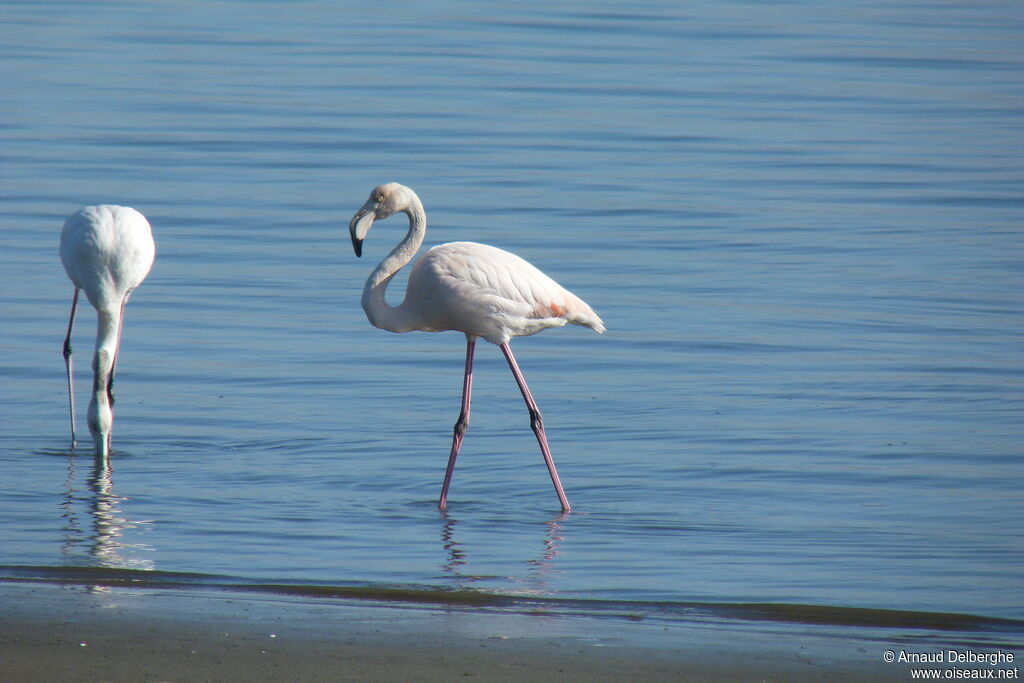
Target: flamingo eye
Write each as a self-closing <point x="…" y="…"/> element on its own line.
<point x="380" y="199"/>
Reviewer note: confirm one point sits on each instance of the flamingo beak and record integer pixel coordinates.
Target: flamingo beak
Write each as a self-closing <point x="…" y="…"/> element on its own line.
<point x="360" y="225"/>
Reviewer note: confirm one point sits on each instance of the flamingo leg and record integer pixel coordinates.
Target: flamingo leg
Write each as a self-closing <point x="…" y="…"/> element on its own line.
<point x="537" y="424"/>
<point x="462" y="423"/>
<point x="68" y="366"/>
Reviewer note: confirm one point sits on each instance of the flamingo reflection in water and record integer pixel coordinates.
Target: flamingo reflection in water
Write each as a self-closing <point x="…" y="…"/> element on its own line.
<point x="103" y="538"/>
<point x="540" y="568"/>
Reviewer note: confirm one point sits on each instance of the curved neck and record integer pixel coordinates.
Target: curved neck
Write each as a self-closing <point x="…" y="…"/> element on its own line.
<point x="380" y="314"/>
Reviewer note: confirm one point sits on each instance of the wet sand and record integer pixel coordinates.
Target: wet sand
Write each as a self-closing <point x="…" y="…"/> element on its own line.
<point x="72" y="633"/>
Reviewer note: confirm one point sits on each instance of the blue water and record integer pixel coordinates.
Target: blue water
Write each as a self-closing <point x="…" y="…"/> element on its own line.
<point x="800" y="221"/>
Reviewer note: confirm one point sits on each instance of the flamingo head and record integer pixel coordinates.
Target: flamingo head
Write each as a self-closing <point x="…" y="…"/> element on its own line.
<point x="385" y="200"/>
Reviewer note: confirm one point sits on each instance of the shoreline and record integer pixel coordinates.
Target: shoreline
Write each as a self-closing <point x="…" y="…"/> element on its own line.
<point x="74" y="633"/>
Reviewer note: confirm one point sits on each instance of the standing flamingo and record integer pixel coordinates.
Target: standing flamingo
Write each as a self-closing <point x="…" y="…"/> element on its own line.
<point x="107" y="251"/>
<point x="479" y="290"/>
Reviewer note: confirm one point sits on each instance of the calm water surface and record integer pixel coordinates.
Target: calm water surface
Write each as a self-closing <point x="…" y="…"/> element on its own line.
<point x="800" y="221"/>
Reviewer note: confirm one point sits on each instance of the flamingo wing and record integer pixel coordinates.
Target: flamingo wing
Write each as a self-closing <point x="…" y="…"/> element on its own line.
<point x="490" y="293"/>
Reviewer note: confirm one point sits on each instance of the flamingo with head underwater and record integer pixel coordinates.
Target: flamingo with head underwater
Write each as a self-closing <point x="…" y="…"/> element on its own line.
<point x="107" y="251"/>
<point x="479" y="290"/>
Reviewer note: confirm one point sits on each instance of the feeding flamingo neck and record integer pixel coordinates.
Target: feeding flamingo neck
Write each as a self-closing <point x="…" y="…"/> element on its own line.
<point x="395" y="318"/>
<point x="101" y="407"/>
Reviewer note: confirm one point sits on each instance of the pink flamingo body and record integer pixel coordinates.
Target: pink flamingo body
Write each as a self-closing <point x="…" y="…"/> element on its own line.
<point x="479" y="290"/>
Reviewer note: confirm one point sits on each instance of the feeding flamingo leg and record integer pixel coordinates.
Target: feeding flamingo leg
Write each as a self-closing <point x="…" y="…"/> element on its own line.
<point x="68" y="366"/>
<point x="537" y="424"/>
<point x="462" y="423"/>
